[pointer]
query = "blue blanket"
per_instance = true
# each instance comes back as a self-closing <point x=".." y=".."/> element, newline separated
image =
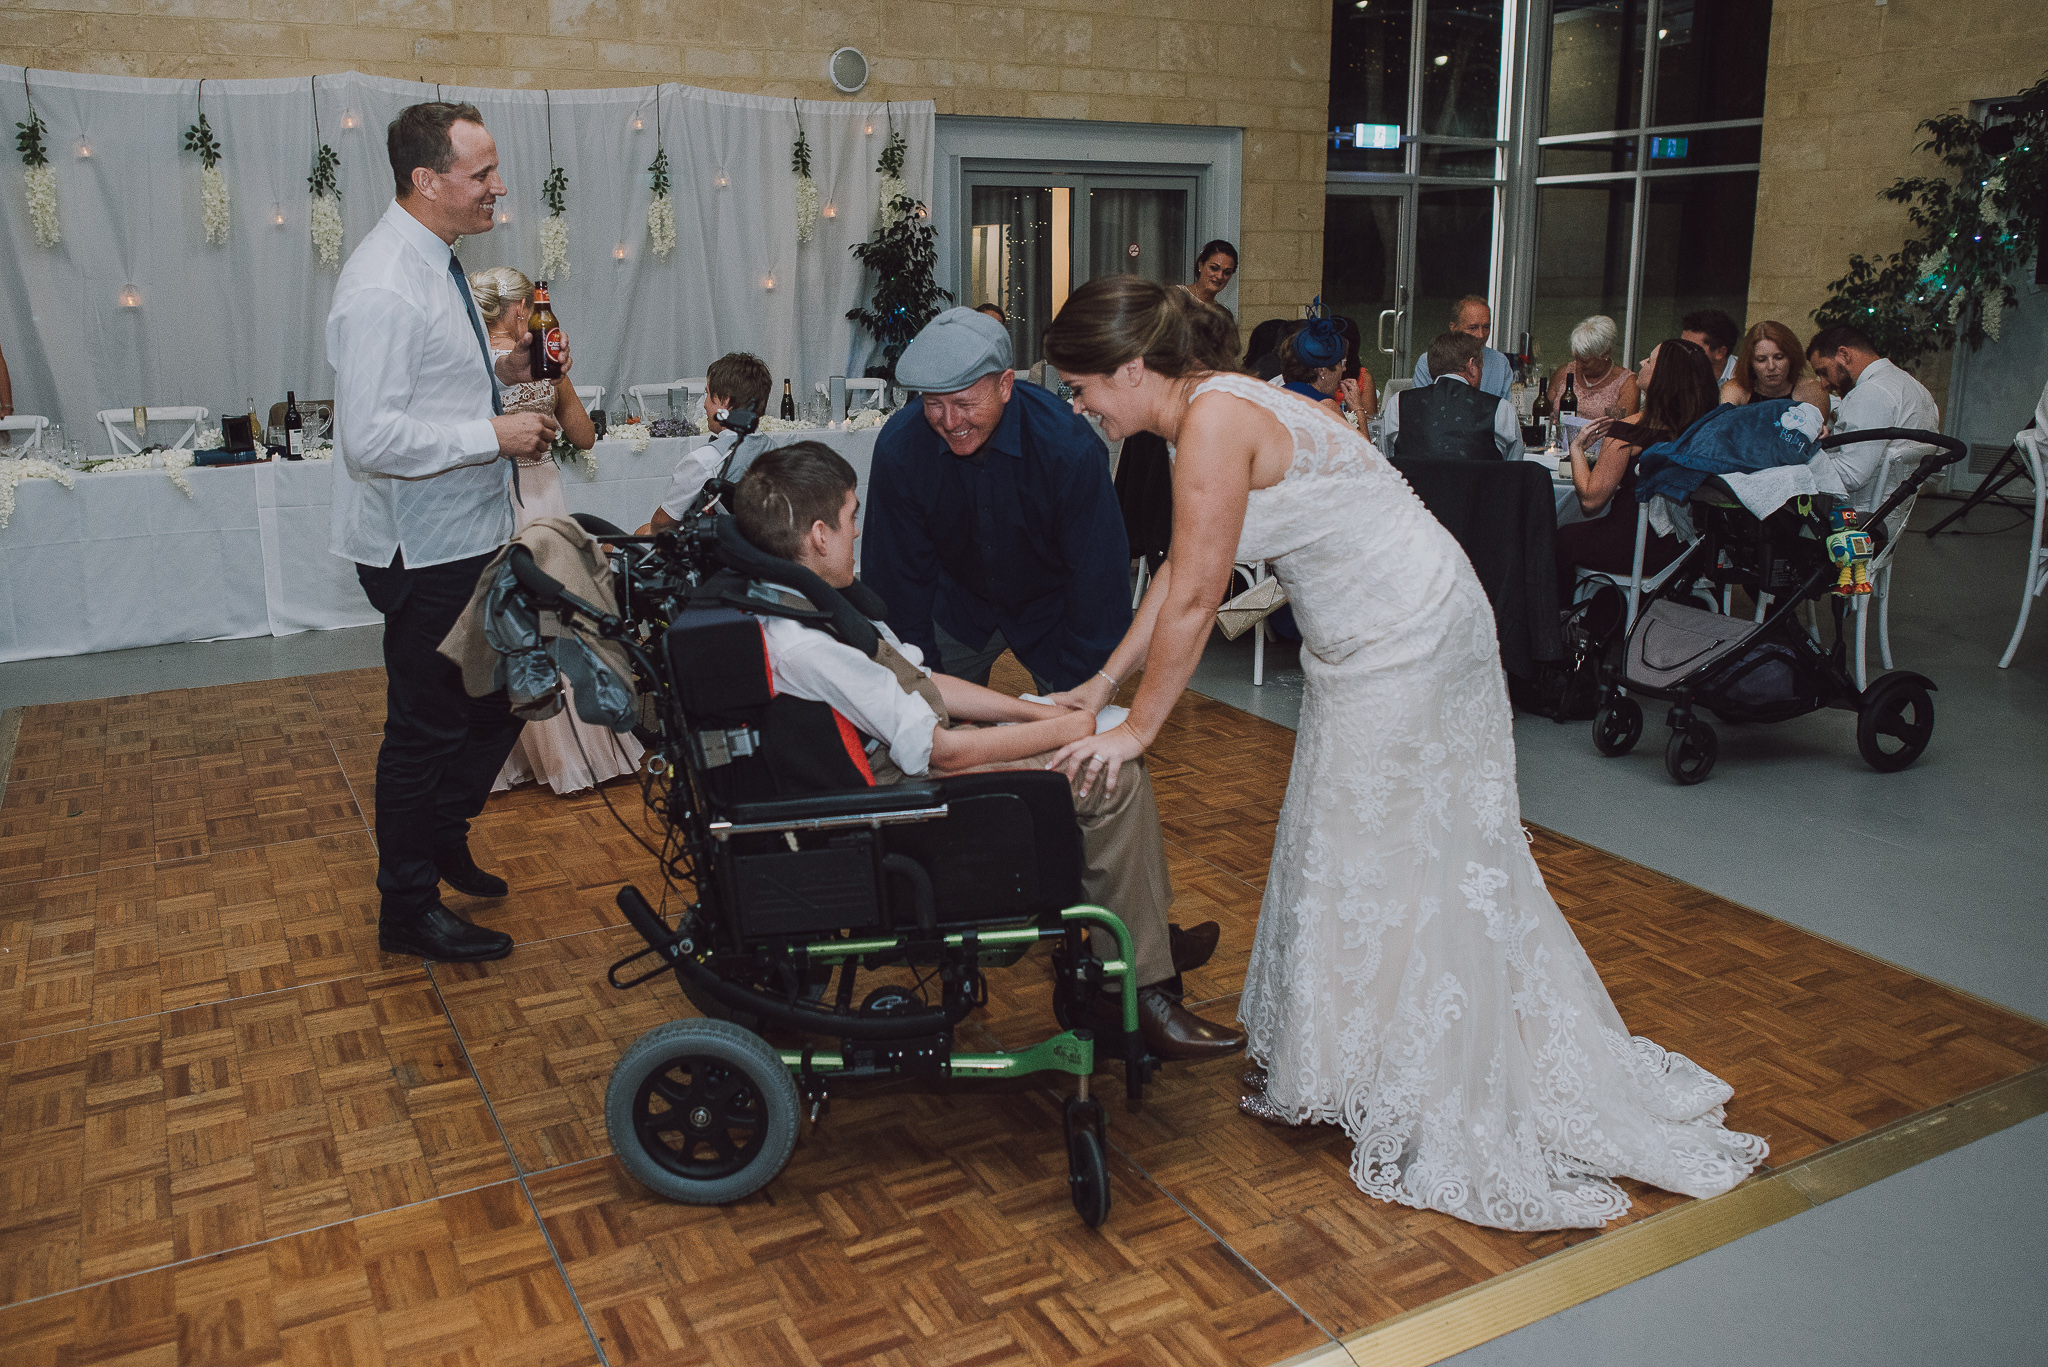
<point x="1730" y="440"/>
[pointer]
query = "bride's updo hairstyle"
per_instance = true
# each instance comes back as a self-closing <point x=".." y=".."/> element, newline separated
<point x="497" y="287"/>
<point x="1115" y="318"/>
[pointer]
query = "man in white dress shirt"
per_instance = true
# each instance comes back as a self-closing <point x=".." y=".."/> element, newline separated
<point x="1875" y="393"/>
<point x="422" y="500"/>
<point x="1473" y="316"/>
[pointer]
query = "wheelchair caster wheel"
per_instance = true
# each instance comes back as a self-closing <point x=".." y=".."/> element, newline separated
<point x="1618" y="726"/>
<point x="1087" y="1160"/>
<point x="1690" y="753"/>
<point x="702" y="1112"/>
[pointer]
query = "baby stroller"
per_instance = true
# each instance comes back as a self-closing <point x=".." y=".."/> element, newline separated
<point x="1770" y="669"/>
<point x="790" y="894"/>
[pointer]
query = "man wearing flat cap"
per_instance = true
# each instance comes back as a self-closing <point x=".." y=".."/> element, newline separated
<point x="991" y="521"/>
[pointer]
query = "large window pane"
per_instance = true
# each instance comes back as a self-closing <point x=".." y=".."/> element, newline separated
<point x="1596" y="65"/>
<point x="1011" y="259"/>
<point x="1369" y="77"/>
<point x="1582" y="247"/>
<point x="1589" y="158"/>
<point x="1461" y="68"/>
<point x="1714" y="147"/>
<point x="1453" y="256"/>
<point x="1361" y="267"/>
<point x="1710" y="60"/>
<point x="1139" y="232"/>
<point x="1695" y="251"/>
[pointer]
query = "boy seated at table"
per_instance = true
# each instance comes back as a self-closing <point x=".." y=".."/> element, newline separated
<point x="735" y="381"/>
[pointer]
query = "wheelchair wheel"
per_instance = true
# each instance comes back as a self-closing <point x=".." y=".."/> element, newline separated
<point x="1690" y="753"/>
<point x="1895" y="724"/>
<point x="1618" y="726"/>
<point x="701" y="1112"/>
<point x="1088" y="1177"/>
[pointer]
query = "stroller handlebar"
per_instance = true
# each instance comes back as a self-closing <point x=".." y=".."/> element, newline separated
<point x="1947" y="451"/>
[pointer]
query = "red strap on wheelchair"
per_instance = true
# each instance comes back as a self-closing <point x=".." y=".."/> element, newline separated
<point x="855" y="749"/>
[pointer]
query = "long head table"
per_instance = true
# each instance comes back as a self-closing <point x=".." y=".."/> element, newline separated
<point x="126" y="560"/>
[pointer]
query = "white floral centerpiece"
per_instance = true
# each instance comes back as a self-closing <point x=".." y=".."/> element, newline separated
<point x="213" y="186"/>
<point x="38" y="177"/>
<point x="173" y="463"/>
<point x="14" y="471"/>
<point x="632" y="431"/>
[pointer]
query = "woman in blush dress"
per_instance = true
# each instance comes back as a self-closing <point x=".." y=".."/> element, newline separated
<point x="1411" y="980"/>
<point x="563" y="752"/>
<point x="1602" y="388"/>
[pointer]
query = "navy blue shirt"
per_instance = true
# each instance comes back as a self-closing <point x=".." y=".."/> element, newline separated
<point x="1023" y="537"/>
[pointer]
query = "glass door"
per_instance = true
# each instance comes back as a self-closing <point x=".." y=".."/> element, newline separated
<point x="1366" y="273"/>
<point x="1033" y="237"/>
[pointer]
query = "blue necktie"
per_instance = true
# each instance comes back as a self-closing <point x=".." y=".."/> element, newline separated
<point x="483" y="343"/>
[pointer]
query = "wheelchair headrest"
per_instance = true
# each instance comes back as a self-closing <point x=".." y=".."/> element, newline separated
<point x="848" y="611"/>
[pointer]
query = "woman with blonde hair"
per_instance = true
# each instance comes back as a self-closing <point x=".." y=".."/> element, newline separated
<point x="566" y="754"/>
<point x="1772" y="365"/>
<point x="1412" y="980"/>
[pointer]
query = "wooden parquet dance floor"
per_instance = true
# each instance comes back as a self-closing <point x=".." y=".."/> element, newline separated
<point x="232" y="1131"/>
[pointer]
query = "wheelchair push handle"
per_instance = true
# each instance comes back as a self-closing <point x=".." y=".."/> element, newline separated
<point x="547" y="591"/>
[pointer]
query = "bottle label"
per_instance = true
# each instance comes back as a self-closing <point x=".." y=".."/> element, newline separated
<point x="552" y="340"/>
<point x="294" y="441"/>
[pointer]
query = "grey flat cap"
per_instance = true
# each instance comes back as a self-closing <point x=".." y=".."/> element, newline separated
<point x="953" y="351"/>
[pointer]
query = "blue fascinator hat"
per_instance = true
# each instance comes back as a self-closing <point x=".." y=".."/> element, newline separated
<point x="1320" y="342"/>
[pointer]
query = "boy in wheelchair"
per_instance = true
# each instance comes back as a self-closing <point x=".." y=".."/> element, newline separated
<point x="898" y="720"/>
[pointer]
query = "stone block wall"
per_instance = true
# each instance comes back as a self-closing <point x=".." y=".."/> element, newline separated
<point x="1185" y="61"/>
<point x="1849" y="82"/>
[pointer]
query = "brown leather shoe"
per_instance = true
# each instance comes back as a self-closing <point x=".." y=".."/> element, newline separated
<point x="1193" y="946"/>
<point x="1173" y="1032"/>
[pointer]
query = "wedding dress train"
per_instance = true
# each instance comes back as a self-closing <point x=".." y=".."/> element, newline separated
<point x="1411" y="979"/>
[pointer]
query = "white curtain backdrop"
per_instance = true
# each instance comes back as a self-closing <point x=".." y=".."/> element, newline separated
<point x="218" y="325"/>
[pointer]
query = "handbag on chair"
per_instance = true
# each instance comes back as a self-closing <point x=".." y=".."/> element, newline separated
<point x="1248" y="609"/>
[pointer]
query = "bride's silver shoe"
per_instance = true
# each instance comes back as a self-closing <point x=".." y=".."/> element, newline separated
<point x="1260" y="1107"/>
<point x="1254" y="1078"/>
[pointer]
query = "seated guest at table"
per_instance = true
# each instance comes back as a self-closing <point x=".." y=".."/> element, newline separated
<point x="1875" y="393"/>
<point x="1602" y="388"/>
<point x="1715" y="333"/>
<point x="994" y="311"/>
<point x="1772" y="365"/>
<point x="1474" y="317"/>
<point x="566" y="754"/>
<point x="1454" y="418"/>
<point x="798" y="503"/>
<point x="1312" y="363"/>
<point x="1677" y="384"/>
<point x="737" y="380"/>
<point x="991" y="522"/>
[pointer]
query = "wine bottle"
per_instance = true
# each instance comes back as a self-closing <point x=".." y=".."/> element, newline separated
<point x="546" y="336"/>
<point x="1568" y="403"/>
<point x="788" y="404"/>
<point x="294" y="428"/>
<point x="1540" y="411"/>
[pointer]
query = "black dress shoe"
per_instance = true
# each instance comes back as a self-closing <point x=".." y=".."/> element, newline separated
<point x="1193" y="946"/>
<point x="439" y="934"/>
<point x="1170" y="1030"/>
<point x="459" y="871"/>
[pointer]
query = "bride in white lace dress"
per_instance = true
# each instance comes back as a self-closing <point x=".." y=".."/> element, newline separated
<point x="1411" y="979"/>
<point x="564" y="752"/>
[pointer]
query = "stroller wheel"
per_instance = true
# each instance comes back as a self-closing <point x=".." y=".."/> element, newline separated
<point x="1690" y="753"/>
<point x="1088" y="1177"/>
<point x="701" y="1111"/>
<point x="1618" y="726"/>
<point x="1895" y="724"/>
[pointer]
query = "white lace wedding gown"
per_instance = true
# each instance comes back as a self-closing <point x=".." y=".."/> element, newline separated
<point x="1411" y="979"/>
<point x="564" y="752"/>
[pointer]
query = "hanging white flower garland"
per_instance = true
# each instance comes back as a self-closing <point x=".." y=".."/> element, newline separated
<point x="213" y="186"/>
<point x="806" y="188"/>
<point x="38" y="177"/>
<point x="661" y="211"/>
<point x="554" y="229"/>
<point x="326" y="187"/>
<point x="890" y="164"/>
<point x="172" y="463"/>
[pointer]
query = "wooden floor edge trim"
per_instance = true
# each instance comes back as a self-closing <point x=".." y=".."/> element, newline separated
<point x="1331" y="1354"/>
<point x="1468" y="1318"/>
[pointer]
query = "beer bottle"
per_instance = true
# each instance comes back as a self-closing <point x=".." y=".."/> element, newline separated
<point x="546" y="336"/>
<point x="294" y="428"/>
<point x="788" y="404"/>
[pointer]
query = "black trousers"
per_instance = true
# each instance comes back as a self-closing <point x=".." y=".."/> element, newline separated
<point x="442" y="748"/>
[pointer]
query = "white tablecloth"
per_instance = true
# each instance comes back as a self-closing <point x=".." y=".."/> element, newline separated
<point x="126" y="560"/>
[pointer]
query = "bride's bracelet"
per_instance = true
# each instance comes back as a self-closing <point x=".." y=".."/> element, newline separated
<point x="1114" y="682"/>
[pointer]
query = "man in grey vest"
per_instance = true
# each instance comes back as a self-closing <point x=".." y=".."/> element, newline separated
<point x="1453" y="419"/>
